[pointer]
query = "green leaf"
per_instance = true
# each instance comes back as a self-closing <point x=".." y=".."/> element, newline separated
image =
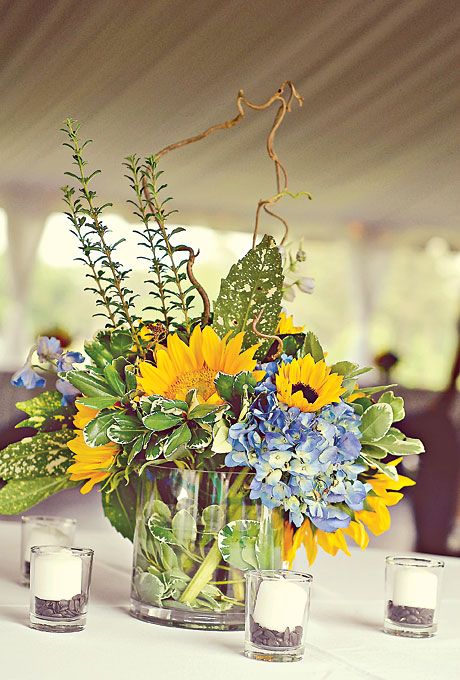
<point x="160" y="512"/>
<point x="253" y="283"/>
<point x="149" y="588"/>
<point x="205" y="413"/>
<point x="161" y="421"/>
<point x="213" y="518"/>
<point x="375" y="422"/>
<point x="200" y="439"/>
<point x="184" y="527"/>
<point x="19" y="495"/>
<point x="98" y="403"/>
<point x="387" y="470"/>
<point x="125" y="429"/>
<point x="45" y="454"/>
<point x="161" y="533"/>
<point x="374" y="451"/>
<point x="120" y="508"/>
<point x="396" y="403"/>
<point x="401" y="447"/>
<point x="345" y="368"/>
<point x="95" y="432"/>
<point x="236" y="541"/>
<point x="45" y="411"/>
<point x="220" y="443"/>
<point x="312" y="346"/>
<point x="168" y="557"/>
<point x="89" y="384"/>
<point x="374" y="390"/>
<point x="177" y="439"/>
<point x="114" y="380"/>
<point x="224" y="386"/>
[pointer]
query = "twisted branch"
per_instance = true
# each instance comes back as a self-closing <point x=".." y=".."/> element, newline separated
<point x="265" y="336"/>
<point x="196" y="284"/>
<point x="285" y="100"/>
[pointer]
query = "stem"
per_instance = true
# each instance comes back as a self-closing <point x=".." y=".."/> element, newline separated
<point x="213" y="558"/>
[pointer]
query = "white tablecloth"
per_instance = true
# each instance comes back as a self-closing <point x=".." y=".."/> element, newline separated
<point x="344" y="634"/>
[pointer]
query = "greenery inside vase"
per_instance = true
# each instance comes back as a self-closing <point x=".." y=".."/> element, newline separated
<point x="196" y="532"/>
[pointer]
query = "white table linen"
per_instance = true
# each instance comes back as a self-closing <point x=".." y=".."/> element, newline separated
<point x="345" y="640"/>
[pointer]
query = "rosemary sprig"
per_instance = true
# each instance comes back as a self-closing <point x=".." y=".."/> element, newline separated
<point x="149" y="238"/>
<point x="120" y="297"/>
<point x="180" y="295"/>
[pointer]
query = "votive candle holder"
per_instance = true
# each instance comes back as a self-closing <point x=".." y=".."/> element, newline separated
<point x="277" y="610"/>
<point x="39" y="530"/>
<point x="59" y="588"/>
<point x="412" y="596"/>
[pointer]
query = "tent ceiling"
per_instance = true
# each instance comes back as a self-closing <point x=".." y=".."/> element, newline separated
<point x="376" y="141"/>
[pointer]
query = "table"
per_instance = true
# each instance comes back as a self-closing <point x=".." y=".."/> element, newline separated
<point x="344" y="635"/>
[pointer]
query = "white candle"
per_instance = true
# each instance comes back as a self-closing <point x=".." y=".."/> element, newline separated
<point x="279" y="605"/>
<point x="57" y="576"/>
<point x="44" y="535"/>
<point x="415" y="587"/>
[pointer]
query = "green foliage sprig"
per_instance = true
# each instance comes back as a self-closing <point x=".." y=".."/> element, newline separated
<point x="109" y="276"/>
<point x="170" y="290"/>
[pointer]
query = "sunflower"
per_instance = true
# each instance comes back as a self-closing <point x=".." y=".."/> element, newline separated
<point x="90" y="462"/>
<point x="286" y="325"/>
<point x="375" y="518"/>
<point x="308" y="385"/>
<point x="181" y="367"/>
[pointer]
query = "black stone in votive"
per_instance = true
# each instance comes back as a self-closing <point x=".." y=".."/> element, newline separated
<point x="264" y="637"/>
<point x="61" y="609"/>
<point x="415" y="616"/>
<point x="27" y="568"/>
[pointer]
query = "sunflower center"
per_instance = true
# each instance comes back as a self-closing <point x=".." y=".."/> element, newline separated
<point x="308" y="392"/>
<point x="201" y="380"/>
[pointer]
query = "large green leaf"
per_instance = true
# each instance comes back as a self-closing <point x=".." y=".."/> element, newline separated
<point x="312" y="346"/>
<point x="45" y="412"/>
<point x="149" y="588"/>
<point x="161" y="421"/>
<point x="401" y="447"/>
<point x="120" y="508"/>
<point x="19" y="495"/>
<point x="125" y="429"/>
<point x="237" y="541"/>
<point x="89" y="384"/>
<point x="375" y="422"/>
<point x="396" y="403"/>
<point x="178" y="439"/>
<point x="184" y="527"/>
<point x="45" y="454"/>
<point x="95" y="432"/>
<point x="253" y="283"/>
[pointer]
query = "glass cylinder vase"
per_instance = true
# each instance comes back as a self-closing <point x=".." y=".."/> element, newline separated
<point x="196" y="534"/>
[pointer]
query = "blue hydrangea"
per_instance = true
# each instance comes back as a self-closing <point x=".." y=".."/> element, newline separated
<point x="304" y="462"/>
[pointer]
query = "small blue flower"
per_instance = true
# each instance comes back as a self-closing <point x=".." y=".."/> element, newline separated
<point x="28" y="378"/>
<point x="68" y="391"/>
<point x="68" y="359"/>
<point x="48" y="349"/>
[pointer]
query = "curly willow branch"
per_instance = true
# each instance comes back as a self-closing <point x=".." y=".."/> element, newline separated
<point x="265" y="336"/>
<point x="285" y="99"/>
<point x="196" y="284"/>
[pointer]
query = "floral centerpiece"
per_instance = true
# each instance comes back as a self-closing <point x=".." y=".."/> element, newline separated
<point x="237" y="437"/>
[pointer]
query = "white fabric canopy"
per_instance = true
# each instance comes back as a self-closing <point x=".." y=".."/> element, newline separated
<point x="377" y="138"/>
<point x="345" y="641"/>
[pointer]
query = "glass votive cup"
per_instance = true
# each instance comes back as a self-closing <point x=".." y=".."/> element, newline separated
<point x="412" y="596"/>
<point x="59" y="588"/>
<point x="40" y="530"/>
<point x="277" y="608"/>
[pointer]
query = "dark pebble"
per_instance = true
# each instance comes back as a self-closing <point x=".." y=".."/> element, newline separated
<point x="414" y="616"/>
<point x="265" y="637"/>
